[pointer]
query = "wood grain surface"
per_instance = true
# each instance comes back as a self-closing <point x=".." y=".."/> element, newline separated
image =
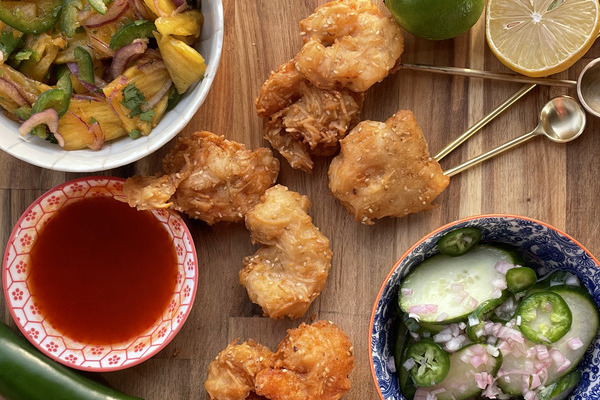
<point x="551" y="182"/>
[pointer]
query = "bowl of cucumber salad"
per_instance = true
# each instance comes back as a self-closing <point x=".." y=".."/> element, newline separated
<point x="489" y="307"/>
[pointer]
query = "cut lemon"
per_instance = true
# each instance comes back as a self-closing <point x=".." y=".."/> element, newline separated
<point x="541" y="37"/>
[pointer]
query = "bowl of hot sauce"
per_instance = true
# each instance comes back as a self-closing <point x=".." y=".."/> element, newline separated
<point x="95" y="284"/>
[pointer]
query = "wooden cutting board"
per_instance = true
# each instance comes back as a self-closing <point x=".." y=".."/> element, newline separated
<point x="551" y="182"/>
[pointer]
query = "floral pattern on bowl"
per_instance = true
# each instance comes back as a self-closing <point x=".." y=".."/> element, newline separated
<point x="26" y="311"/>
<point x="543" y="247"/>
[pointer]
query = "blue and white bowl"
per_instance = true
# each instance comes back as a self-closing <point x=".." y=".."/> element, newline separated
<point x="542" y="246"/>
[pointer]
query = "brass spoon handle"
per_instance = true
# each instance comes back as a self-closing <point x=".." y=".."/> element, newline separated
<point x="491" y="153"/>
<point x="489" y="75"/>
<point x="482" y="122"/>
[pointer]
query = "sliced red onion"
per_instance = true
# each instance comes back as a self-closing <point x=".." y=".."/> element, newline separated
<point x="179" y="3"/>
<point x="141" y="12"/>
<point x="11" y="91"/>
<point x="125" y="55"/>
<point x="86" y="97"/>
<point x="49" y="117"/>
<point x="96" y="131"/>
<point x="181" y="8"/>
<point x="114" y="11"/>
<point x="94" y="90"/>
<point x="151" y="66"/>
<point x="106" y="50"/>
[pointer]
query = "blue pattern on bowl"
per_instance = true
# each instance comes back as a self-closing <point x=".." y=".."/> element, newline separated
<point x="542" y="247"/>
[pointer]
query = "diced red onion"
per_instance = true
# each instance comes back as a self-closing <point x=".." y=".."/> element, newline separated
<point x="518" y="320"/>
<point x="408" y="364"/>
<point x="454" y="344"/>
<point x="462" y="326"/>
<point x="11" y="91"/>
<point x="442" y="337"/>
<point x="503" y="267"/>
<point x="542" y="352"/>
<point x="473" y="303"/>
<point x="159" y="95"/>
<point x="125" y="55"/>
<point x="483" y="379"/>
<point x="48" y="117"/>
<point x="530" y="395"/>
<point x="457" y="287"/>
<point x="574" y="343"/>
<point x="476" y="361"/>
<point x="423" y="309"/>
<point x="115" y="10"/>
<point x="572" y="280"/>
<point x="535" y="381"/>
<point x="492" y="350"/>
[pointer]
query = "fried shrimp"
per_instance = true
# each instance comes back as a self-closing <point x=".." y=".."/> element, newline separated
<point x="290" y="269"/>
<point x="231" y="375"/>
<point x="384" y="170"/>
<point x="312" y="362"/>
<point x="348" y="44"/>
<point x="207" y="177"/>
<point x="302" y="120"/>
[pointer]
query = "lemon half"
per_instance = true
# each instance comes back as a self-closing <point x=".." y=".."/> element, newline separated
<point x="541" y="37"/>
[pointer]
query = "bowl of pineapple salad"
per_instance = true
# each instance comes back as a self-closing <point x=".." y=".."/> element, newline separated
<point x="489" y="307"/>
<point x="90" y="85"/>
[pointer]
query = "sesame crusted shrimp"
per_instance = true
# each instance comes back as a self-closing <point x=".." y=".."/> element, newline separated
<point x="348" y="44"/>
<point x="384" y="170"/>
<point x="312" y="362"/>
<point x="231" y="374"/>
<point x="207" y="177"/>
<point x="290" y="269"/>
<point x="303" y="120"/>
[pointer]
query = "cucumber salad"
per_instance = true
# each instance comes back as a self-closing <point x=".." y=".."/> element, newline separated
<point x="478" y="323"/>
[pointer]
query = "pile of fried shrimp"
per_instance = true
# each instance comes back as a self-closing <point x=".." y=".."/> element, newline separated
<point x="311" y="106"/>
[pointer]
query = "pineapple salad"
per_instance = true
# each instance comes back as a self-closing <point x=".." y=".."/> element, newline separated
<point x="81" y="72"/>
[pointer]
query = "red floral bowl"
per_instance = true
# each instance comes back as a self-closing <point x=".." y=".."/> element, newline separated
<point x="29" y="316"/>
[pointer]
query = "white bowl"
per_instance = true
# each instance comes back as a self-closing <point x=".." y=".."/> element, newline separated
<point x="123" y="151"/>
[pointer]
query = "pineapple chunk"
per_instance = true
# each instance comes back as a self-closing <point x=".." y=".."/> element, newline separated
<point x="184" y="63"/>
<point x="148" y="81"/>
<point x="73" y="126"/>
<point x="29" y="88"/>
<point x="46" y="48"/>
<point x="160" y="8"/>
<point x="188" y="23"/>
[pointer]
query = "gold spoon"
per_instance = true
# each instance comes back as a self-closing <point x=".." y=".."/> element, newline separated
<point x="561" y="120"/>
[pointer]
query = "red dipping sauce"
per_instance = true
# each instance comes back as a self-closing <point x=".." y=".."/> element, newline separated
<point x="101" y="271"/>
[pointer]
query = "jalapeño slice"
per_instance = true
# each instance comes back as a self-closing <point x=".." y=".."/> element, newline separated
<point x="544" y="317"/>
<point x="431" y="363"/>
<point x="459" y="241"/>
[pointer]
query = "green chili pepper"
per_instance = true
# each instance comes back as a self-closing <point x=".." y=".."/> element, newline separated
<point x="25" y="373"/>
<point x="98" y="5"/>
<point x="47" y="16"/>
<point x="431" y="363"/>
<point x="544" y="317"/>
<point x="68" y="21"/>
<point x="459" y="241"/>
<point x="85" y="64"/>
<point x="173" y="98"/>
<point x="131" y="31"/>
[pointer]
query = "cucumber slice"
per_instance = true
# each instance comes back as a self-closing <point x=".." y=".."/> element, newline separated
<point x="444" y="289"/>
<point x="585" y="322"/>
<point x="460" y="382"/>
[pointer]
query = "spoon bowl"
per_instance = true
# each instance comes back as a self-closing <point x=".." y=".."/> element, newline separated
<point x="562" y="119"/>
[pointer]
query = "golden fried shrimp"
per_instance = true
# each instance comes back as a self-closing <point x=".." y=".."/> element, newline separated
<point x="231" y="375"/>
<point x="312" y="362"/>
<point x="302" y="120"/>
<point x="348" y="44"/>
<point x="207" y="177"/>
<point x="290" y="269"/>
<point x="384" y="170"/>
<point x="151" y="192"/>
